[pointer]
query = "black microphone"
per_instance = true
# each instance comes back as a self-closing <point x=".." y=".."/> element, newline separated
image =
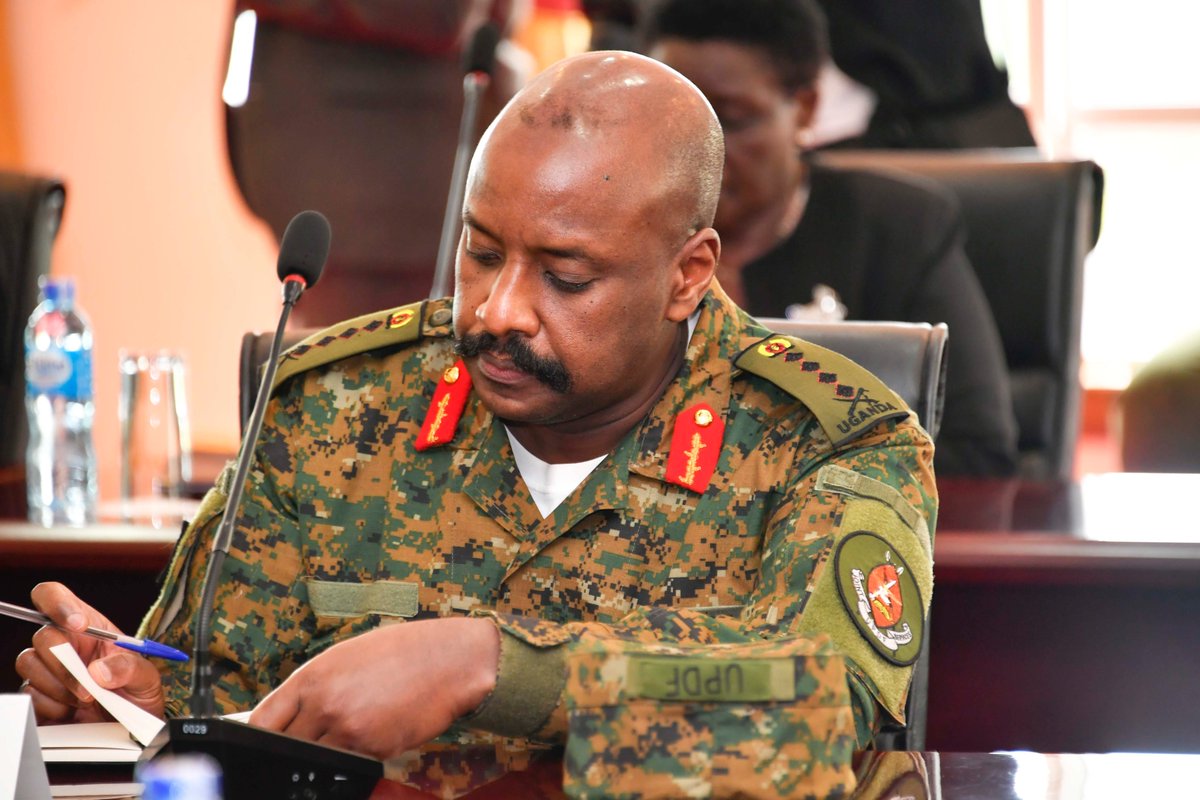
<point x="263" y="763"/>
<point x="478" y="61"/>
<point x="304" y="249"/>
<point x="480" y="55"/>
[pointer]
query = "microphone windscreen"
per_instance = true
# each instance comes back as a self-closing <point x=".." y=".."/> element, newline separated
<point x="480" y="55"/>
<point x="305" y="247"/>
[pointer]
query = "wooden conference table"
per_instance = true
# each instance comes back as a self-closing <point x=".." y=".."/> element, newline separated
<point x="1066" y="617"/>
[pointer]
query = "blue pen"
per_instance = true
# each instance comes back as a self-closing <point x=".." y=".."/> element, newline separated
<point x="143" y="646"/>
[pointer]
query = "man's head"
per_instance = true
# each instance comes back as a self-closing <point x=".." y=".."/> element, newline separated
<point x="757" y="62"/>
<point x="586" y="240"/>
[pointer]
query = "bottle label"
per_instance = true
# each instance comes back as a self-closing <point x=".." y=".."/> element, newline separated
<point x="60" y="373"/>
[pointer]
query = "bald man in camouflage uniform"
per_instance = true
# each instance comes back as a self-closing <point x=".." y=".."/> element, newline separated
<point x="726" y="597"/>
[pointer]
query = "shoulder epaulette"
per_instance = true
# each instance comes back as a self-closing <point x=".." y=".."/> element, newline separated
<point x="368" y="332"/>
<point x="846" y="399"/>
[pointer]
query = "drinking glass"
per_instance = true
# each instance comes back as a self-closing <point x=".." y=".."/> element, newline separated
<point x="155" y="438"/>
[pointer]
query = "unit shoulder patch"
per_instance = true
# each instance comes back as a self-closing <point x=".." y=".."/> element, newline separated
<point x="846" y="399"/>
<point x="881" y="595"/>
<point x="368" y="332"/>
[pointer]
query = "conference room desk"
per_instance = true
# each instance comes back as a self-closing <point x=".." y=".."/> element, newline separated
<point x="1066" y="617"/>
<point x="937" y="776"/>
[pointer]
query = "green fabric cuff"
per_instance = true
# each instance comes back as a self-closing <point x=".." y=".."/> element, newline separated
<point x="529" y="685"/>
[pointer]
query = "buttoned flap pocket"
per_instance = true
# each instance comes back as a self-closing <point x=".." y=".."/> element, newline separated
<point x="757" y="719"/>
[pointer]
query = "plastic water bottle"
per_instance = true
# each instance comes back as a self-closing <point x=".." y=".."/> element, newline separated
<point x="61" y="462"/>
<point x="192" y="776"/>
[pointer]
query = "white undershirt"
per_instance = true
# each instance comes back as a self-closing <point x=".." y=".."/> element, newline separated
<point x="550" y="484"/>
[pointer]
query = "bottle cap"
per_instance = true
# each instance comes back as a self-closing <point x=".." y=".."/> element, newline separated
<point x="58" y="290"/>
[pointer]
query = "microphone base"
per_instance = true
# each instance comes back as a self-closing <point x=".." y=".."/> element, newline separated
<point x="257" y="763"/>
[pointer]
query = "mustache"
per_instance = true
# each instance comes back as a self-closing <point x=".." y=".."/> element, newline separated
<point x="549" y="371"/>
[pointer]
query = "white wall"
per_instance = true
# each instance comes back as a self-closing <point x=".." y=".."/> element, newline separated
<point x="121" y="99"/>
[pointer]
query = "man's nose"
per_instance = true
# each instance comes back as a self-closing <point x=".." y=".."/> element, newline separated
<point x="510" y="306"/>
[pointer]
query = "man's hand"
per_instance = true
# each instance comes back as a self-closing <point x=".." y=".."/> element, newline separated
<point x="57" y="696"/>
<point x="389" y="690"/>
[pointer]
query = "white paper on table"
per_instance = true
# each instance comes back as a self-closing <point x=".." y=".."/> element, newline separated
<point x="142" y="724"/>
<point x="97" y="791"/>
<point x="87" y="742"/>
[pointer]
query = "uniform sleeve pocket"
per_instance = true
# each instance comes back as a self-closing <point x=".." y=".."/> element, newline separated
<point x="759" y="719"/>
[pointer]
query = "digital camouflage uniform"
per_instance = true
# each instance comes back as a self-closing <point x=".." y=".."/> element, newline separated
<point x="707" y="612"/>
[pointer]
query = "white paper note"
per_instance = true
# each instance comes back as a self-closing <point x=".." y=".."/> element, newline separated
<point x="143" y="725"/>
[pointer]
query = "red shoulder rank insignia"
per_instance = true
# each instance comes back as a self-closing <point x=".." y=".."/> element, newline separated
<point x="695" y="447"/>
<point x="881" y="595"/>
<point x="446" y="407"/>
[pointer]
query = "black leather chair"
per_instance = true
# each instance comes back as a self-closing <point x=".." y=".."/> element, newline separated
<point x="1030" y="223"/>
<point x="909" y="357"/>
<point x="30" y="212"/>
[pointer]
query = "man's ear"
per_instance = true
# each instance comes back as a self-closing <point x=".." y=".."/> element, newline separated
<point x="806" y="111"/>
<point x="694" y="268"/>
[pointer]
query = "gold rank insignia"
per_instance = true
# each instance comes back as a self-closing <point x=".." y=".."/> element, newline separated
<point x="400" y="318"/>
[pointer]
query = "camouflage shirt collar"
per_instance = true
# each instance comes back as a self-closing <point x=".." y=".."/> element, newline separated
<point x="706" y="376"/>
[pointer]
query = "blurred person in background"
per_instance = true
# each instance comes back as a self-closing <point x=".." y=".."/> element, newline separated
<point x="353" y="109"/>
<point x="889" y="249"/>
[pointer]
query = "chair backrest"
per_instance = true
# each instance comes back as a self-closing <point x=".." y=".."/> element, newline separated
<point x="30" y="211"/>
<point x="256" y="347"/>
<point x="909" y="357"/>
<point x="1030" y="223"/>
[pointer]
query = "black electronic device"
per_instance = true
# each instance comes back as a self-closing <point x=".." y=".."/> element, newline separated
<point x="257" y="763"/>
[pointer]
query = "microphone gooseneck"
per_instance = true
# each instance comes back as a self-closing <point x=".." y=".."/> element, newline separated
<point x="257" y="762"/>
<point x="302" y="255"/>
<point x="478" y="62"/>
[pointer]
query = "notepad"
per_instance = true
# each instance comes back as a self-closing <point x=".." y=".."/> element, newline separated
<point x="88" y="743"/>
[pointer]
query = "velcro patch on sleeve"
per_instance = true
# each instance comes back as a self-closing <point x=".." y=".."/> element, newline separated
<point x="878" y="529"/>
<point x="846" y="399"/>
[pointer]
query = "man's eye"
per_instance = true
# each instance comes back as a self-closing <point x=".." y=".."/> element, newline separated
<point x="565" y="285"/>
<point x="484" y="257"/>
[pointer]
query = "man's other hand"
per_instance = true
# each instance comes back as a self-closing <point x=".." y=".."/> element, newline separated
<point x="389" y="690"/>
<point x="57" y="696"/>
